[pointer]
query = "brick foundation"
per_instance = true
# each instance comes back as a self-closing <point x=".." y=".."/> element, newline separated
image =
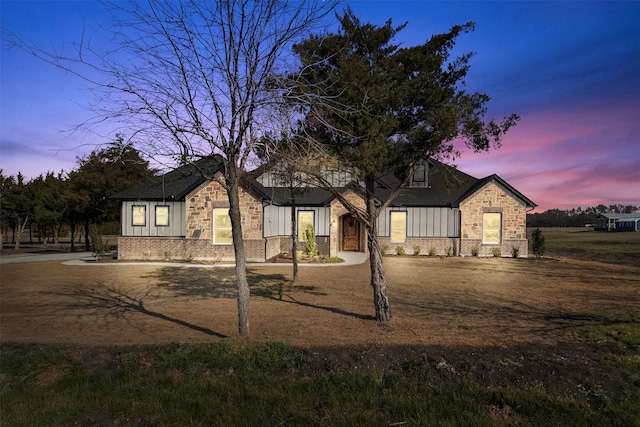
<point x="441" y="245"/>
<point x="180" y="249"/>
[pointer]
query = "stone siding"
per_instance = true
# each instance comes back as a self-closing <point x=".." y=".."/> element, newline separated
<point x="337" y="211"/>
<point x="201" y="202"/>
<point x="494" y="198"/>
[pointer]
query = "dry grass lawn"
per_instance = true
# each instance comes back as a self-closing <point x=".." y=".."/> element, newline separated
<point x="435" y="301"/>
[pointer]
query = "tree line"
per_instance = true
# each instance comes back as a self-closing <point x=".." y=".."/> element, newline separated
<point x="575" y="217"/>
<point x="70" y="202"/>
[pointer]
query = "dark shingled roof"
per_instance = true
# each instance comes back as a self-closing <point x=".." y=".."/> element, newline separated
<point x="174" y="185"/>
<point x="447" y="187"/>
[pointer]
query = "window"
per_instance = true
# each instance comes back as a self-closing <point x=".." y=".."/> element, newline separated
<point x="491" y="228"/>
<point x="162" y="216"/>
<point x="305" y="218"/>
<point x="398" y="227"/>
<point x="222" y="226"/>
<point x="139" y="215"/>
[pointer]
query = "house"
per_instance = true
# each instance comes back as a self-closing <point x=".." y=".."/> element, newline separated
<point x="182" y="216"/>
<point x="617" y="222"/>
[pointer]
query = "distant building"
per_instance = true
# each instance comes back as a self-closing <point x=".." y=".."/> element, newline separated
<point x="617" y="222"/>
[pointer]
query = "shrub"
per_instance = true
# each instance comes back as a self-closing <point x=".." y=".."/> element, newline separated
<point x="98" y="246"/>
<point x="309" y="237"/>
<point x="432" y="251"/>
<point x="515" y="251"/>
<point x="497" y="253"/>
<point x="332" y="259"/>
<point x="399" y="250"/>
<point x="416" y="250"/>
<point x="475" y="251"/>
<point x="537" y="243"/>
<point x="384" y="249"/>
<point x="450" y="250"/>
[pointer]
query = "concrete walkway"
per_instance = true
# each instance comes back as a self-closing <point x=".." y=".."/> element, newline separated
<point x="45" y="257"/>
<point x="350" y="258"/>
<point x="83" y="258"/>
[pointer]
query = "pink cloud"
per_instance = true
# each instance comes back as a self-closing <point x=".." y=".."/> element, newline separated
<point x="567" y="158"/>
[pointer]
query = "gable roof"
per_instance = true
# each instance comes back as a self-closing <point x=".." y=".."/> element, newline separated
<point x="484" y="181"/>
<point x="174" y="185"/>
<point x="620" y="216"/>
<point x="447" y="187"/>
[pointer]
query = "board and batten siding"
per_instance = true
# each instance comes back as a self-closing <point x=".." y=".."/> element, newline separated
<point x="277" y="220"/>
<point x="423" y="222"/>
<point x="176" y="227"/>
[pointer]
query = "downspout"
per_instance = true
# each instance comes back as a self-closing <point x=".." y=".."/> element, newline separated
<point x="459" y="232"/>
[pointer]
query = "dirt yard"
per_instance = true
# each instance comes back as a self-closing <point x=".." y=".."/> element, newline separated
<point x="496" y="320"/>
<point x="450" y="301"/>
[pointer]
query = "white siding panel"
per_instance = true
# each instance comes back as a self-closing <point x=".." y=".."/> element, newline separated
<point x="423" y="222"/>
<point x="383" y="222"/>
<point x="270" y="221"/>
<point x="176" y="227"/>
<point x="452" y="223"/>
<point x="277" y="220"/>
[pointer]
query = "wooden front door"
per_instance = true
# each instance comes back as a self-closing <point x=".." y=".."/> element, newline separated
<point x="350" y="234"/>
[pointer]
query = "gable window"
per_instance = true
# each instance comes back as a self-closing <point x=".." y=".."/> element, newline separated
<point x="491" y="228"/>
<point x="305" y="218"/>
<point x="139" y="215"/>
<point x="420" y="176"/>
<point x="162" y="216"/>
<point x="398" y="227"/>
<point x="222" y="226"/>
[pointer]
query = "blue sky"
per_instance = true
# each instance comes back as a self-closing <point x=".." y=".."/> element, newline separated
<point x="571" y="70"/>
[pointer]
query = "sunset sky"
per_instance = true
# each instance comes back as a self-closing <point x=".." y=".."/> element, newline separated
<point x="571" y="70"/>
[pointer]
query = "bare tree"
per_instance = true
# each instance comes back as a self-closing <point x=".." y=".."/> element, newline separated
<point x="191" y="79"/>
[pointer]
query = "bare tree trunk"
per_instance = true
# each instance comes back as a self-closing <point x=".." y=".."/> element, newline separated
<point x="378" y="281"/>
<point x="87" y="243"/>
<point x="20" y="231"/>
<point x="294" y="237"/>
<point x="72" y="231"/>
<point x="240" y="256"/>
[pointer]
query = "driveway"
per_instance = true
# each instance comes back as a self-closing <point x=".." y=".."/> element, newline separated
<point x="76" y="258"/>
<point x="45" y="257"/>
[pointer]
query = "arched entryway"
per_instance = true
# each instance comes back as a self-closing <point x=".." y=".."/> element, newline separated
<point x="351" y="236"/>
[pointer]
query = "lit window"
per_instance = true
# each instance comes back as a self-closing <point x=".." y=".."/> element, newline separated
<point x="162" y="216"/>
<point x="139" y="215"/>
<point x="398" y="227"/>
<point x="491" y="228"/>
<point x="222" y="226"/>
<point x="305" y="218"/>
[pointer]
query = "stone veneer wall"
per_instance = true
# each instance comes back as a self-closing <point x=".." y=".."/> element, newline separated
<point x="201" y="202"/>
<point x="199" y="206"/>
<point x="494" y="198"/>
<point x="337" y="211"/>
